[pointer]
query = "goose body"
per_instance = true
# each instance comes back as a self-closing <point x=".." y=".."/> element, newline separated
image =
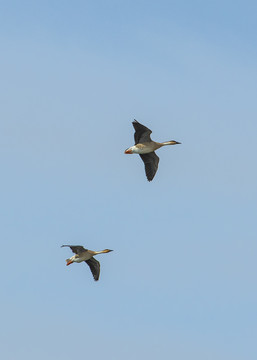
<point x="145" y="147"/>
<point x="82" y="254"/>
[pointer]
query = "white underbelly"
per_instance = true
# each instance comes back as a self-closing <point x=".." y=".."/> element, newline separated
<point x="83" y="257"/>
<point x="141" y="150"/>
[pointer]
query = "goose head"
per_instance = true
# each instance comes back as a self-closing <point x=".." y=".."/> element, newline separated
<point x="70" y="260"/>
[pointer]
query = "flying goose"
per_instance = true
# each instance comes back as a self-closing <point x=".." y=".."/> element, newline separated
<point x="145" y="147"/>
<point x="82" y="254"/>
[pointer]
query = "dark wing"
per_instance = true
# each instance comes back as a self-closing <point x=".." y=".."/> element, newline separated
<point x="151" y="161"/>
<point x="142" y="133"/>
<point x="94" y="267"/>
<point x="76" y="249"/>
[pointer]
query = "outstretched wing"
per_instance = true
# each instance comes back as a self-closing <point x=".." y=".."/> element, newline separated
<point x="94" y="267"/>
<point x="76" y="249"/>
<point x="151" y="161"/>
<point x="142" y="133"/>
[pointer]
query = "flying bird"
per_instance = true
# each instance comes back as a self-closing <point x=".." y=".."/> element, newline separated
<point x="145" y="147"/>
<point x="82" y="254"/>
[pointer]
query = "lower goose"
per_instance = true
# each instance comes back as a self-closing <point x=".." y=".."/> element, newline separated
<point x="82" y="254"/>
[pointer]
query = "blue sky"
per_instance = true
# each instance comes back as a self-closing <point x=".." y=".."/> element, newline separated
<point x="181" y="282"/>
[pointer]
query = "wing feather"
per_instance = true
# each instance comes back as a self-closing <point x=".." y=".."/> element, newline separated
<point x="94" y="267"/>
<point x="76" y="249"/>
<point x="151" y="161"/>
<point x="142" y="133"/>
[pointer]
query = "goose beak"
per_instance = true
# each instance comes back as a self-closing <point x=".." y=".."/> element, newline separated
<point x="69" y="262"/>
<point x="128" y="151"/>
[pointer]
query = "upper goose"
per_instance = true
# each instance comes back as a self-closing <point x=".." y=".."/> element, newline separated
<point x="82" y="254"/>
<point x="145" y="147"/>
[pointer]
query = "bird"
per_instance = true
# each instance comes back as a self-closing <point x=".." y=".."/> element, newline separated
<point x="82" y="254"/>
<point x="145" y="147"/>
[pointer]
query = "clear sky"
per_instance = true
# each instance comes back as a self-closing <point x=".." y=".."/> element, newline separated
<point x="181" y="282"/>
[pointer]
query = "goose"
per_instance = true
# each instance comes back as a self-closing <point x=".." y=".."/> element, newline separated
<point x="82" y="254"/>
<point x="145" y="147"/>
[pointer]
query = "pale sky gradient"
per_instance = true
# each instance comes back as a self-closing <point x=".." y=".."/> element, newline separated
<point x="181" y="282"/>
